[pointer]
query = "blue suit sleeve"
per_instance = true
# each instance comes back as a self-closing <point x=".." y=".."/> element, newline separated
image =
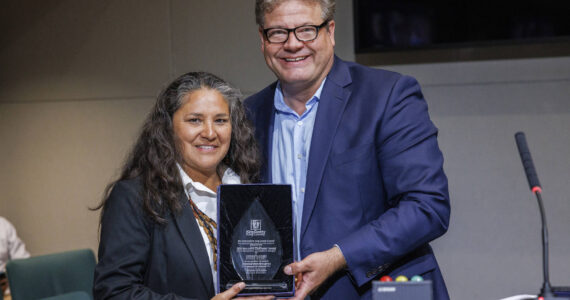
<point x="415" y="186"/>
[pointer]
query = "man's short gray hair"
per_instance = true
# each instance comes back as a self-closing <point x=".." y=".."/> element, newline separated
<point x="263" y="7"/>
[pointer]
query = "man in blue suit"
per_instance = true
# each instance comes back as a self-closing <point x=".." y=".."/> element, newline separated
<point x="360" y="152"/>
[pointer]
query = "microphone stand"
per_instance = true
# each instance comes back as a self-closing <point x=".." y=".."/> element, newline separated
<point x="546" y="291"/>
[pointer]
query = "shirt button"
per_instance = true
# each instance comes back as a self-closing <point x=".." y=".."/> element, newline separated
<point x="300" y="123"/>
<point x="302" y="190"/>
<point x="299" y="156"/>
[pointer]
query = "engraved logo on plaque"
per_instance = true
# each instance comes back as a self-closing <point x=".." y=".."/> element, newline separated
<point x="255" y="229"/>
<point x="256" y="225"/>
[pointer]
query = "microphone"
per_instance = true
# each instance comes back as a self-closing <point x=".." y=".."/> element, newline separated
<point x="528" y="165"/>
<point x="546" y="291"/>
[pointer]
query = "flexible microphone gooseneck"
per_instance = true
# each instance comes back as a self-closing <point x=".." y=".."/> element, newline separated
<point x="546" y="291"/>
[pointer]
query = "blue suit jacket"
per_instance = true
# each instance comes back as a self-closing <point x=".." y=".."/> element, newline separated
<point x="375" y="181"/>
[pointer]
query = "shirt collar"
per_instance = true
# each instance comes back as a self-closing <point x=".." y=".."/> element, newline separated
<point x="228" y="177"/>
<point x="279" y="101"/>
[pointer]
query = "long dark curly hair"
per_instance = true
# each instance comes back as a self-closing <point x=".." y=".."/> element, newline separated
<point x="154" y="156"/>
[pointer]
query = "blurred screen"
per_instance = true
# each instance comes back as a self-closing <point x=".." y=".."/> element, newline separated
<point x="387" y="25"/>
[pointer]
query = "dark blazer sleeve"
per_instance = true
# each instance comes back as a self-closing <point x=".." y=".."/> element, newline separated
<point x="415" y="192"/>
<point x="124" y="249"/>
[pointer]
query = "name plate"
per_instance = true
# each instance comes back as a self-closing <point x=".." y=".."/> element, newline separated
<point x="255" y="238"/>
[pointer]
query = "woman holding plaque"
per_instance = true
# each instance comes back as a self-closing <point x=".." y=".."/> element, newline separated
<point x="158" y="219"/>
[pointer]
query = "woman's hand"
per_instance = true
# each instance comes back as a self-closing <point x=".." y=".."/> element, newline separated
<point x="234" y="290"/>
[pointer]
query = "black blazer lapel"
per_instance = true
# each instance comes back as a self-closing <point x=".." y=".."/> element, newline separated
<point x="190" y="232"/>
<point x="334" y="98"/>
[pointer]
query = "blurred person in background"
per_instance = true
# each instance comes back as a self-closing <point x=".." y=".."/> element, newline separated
<point x="11" y="247"/>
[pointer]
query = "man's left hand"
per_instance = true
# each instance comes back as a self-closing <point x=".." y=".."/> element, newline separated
<point x="312" y="271"/>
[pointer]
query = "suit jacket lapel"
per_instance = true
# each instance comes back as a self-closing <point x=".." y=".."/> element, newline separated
<point x="190" y="232"/>
<point x="333" y="101"/>
<point x="264" y="130"/>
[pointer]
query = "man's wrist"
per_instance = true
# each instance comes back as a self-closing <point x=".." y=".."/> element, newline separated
<point x="338" y="258"/>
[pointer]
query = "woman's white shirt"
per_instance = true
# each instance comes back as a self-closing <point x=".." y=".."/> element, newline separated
<point x="206" y="200"/>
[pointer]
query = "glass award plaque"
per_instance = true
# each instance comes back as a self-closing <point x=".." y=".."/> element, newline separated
<point x="255" y="238"/>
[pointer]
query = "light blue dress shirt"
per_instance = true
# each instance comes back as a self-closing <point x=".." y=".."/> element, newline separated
<point x="290" y="150"/>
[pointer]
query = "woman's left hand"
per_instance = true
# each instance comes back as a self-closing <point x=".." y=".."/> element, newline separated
<point x="234" y="290"/>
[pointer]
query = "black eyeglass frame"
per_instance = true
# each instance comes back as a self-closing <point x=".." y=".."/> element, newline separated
<point x="294" y="30"/>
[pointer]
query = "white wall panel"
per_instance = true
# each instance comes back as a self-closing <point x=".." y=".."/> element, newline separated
<point x="493" y="247"/>
<point x="56" y="160"/>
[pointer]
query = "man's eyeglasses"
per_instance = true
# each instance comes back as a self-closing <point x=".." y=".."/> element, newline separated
<point x="305" y="33"/>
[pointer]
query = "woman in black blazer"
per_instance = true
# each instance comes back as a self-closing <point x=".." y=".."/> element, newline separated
<point x="158" y="218"/>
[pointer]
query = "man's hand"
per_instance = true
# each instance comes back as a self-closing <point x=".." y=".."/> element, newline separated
<point x="234" y="290"/>
<point x="312" y="271"/>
